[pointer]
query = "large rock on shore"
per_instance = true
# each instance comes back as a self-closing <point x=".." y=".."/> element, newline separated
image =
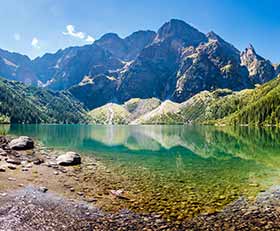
<point x="21" y="143"/>
<point x="70" y="158"/>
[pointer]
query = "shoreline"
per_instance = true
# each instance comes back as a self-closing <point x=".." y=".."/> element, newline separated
<point x="37" y="181"/>
<point x="88" y="192"/>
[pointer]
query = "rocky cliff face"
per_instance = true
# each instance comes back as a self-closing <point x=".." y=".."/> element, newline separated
<point x="277" y="69"/>
<point x="260" y="69"/>
<point x="157" y="64"/>
<point x="211" y="65"/>
<point x="76" y="63"/>
<point x="97" y="91"/>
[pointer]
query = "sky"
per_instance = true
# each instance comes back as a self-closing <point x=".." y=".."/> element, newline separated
<point x="34" y="27"/>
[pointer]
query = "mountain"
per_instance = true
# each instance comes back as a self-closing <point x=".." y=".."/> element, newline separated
<point x="212" y="65"/>
<point x="259" y="106"/>
<point x="25" y="104"/>
<point x="260" y="69"/>
<point x="72" y="65"/>
<point x="97" y="91"/>
<point x="175" y="63"/>
<point x="153" y="73"/>
<point x="128" y="48"/>
<point x="15" y="66"/>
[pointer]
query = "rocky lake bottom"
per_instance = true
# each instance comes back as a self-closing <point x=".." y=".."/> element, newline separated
<point x="113" y="192"/>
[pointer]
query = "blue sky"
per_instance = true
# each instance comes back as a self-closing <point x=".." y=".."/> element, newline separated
<point x="34" y="27"/>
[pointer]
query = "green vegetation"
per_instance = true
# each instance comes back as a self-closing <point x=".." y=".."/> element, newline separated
<point x="4" y="119"/>
<point x="262" y="109"/>
<point x="110" y="114"/>
<point x="138" y="107"/>
<point x="23" y="104"/>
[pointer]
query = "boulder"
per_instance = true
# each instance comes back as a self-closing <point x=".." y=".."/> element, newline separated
<point x="22" y="143"/>
<point x="69" y="158"/>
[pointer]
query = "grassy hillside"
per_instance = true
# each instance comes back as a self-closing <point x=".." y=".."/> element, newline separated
<point x="23" y="104"/>
<point x="110" y="114"/>
<point x="205" y="106"/>
<point x="138" y="107"/>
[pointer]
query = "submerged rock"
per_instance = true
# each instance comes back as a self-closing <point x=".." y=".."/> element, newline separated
<point x="70" y="158"/>
<point x="2" y="152"/>
<point x="13" y="161"/>
<point x="43" y="189"/>
<point x="22" y="143"/>
<point x="12" y="166"/>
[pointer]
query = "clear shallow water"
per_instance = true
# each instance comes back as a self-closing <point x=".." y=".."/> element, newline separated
<point x="176" y="171"/>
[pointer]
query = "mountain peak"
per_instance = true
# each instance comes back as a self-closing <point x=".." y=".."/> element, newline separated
<point x="110" y="36"/>
<point x="250" y="54"/>
<point x="251" y="49"/>
<point x="178" y="29"/>
<point x="260" y="69"/>
<point x="213" y="35"/>
<point x="141" y="33"/>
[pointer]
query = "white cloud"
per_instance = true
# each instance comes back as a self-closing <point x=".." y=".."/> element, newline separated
<point x="90" y="39"/>
<point x="70" y="31"/>
<point x="17" y="36"/>
<point x="35" y="43"/>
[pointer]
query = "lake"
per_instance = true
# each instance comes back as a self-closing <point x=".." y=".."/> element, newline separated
<point x="175" y="171"/>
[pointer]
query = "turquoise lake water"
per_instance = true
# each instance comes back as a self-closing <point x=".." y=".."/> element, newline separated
<point x="178" y="171"/>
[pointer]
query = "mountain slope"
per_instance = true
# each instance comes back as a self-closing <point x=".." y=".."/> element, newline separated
<point x="18" y="67"/>
<point x="160" y="115"/>
<point x="23" y="104"/>
<point x="128" y="48"/>
<point x="260" y="106"/>
<point x="153" y="73"/>
<point x="262" y="109"/>
<point x="212" y="65"/>
<point x="76" y="63"/>
<point x="138" y="107"/>
<point x="110" y="114"/>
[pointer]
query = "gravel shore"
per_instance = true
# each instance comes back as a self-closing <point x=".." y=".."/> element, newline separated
<point x="31" y="209"/>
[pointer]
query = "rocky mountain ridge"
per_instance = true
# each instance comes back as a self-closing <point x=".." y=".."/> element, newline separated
<point x="175" y="63"/>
